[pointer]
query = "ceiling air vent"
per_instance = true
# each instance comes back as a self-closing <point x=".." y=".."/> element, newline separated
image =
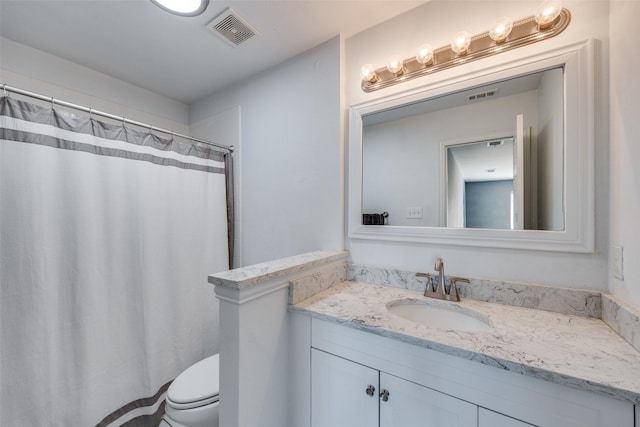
<point x="483" y="95"/>
<point x="497" y="143"/>
<point x="232" y="27"/>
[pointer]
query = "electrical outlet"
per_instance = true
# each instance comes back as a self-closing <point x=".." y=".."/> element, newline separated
<point x="617" y="262"/>
<point x="414" y="212"/>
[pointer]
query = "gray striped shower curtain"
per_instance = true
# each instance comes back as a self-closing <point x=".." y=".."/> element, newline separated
<point x="107" y="236"/>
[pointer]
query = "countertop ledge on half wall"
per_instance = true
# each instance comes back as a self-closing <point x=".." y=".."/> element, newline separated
<point x="244" y="277"/>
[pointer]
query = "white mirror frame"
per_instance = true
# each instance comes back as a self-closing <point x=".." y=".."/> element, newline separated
<point x="579" y="189"/>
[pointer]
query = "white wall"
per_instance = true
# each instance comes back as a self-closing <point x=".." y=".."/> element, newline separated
<point x="436" y="22"/>
<point x="291" y="171"/>
<point x="26" y="68"/>
<point x="625" y="146"/>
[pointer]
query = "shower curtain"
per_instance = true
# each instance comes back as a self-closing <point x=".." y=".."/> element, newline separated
<point x="107" y="236"/>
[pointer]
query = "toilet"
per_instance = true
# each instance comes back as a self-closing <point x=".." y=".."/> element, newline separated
<point x="193" y="397"/>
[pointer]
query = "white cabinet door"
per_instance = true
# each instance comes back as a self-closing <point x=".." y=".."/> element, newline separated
<point x="339" y="396"/>
<point x="487" y="418"/>
<point x="412" y="405"/>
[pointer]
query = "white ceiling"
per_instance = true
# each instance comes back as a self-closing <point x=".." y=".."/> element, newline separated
<point x="137" y="42"/>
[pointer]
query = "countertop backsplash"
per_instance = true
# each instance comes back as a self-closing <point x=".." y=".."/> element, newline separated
<point x="622" y="318"/>
<point x="576" y="302"/>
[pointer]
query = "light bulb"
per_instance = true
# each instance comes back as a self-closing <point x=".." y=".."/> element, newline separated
<point x="461" y="42"/>
<point x="501" y="29"/>
<point x="368" y="73"/>
<point x="395" y="64"/>
<point x="425" y="54"/>
<point x="547" y="12"/>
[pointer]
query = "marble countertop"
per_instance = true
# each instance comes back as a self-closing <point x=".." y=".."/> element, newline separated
<point x="575" y="351"/>
<point x="256" y="274"/>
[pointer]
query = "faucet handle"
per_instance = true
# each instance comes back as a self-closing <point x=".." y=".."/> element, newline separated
<point x="453" y="291"/>
<point x="455" y="280"/>
<point x="429" y="281"/>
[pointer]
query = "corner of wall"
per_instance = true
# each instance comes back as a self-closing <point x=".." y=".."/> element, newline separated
<point x="624" y="152"/>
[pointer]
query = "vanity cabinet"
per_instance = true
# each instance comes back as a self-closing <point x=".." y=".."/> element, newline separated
<point x="345" y="393"/>
<point x="348" y="369"/>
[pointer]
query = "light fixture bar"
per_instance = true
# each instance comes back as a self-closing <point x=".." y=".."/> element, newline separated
<point x="524" y="32"/>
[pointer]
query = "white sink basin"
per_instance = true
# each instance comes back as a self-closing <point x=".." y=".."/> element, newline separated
<point x="449" y="317"/>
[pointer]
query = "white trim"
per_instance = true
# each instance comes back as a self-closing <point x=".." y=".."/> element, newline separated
<point x="243" y="295"/>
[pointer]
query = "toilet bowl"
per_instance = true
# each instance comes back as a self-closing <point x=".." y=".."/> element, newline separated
<point x="193" y="397"/>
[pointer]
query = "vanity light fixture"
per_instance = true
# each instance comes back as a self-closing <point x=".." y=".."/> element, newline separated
<point x="182" y="7"/>
<point x="550" y="20"/>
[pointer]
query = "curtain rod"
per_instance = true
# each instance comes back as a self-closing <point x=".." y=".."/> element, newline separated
<point x="91" y="111"/>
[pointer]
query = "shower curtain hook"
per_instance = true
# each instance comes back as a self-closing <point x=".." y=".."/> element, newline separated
<point x="52" y="103"/>
<point x="4" y="88"/>
<point x="90" y="113"/>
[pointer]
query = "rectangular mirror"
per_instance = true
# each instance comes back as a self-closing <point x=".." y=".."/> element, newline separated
<point x="500" y="158"/>
<point x="498" y="149"/>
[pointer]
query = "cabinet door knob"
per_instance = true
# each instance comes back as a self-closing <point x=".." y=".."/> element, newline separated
<point x="384" y="395"/>
<point x="370" y="390"/>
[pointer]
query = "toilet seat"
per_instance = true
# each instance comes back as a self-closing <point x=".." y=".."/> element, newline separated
<point x="196" y="386"/>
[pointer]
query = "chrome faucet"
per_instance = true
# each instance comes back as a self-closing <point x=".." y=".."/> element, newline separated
<point x="439" y="289"/>
<point x="439" y="268"/>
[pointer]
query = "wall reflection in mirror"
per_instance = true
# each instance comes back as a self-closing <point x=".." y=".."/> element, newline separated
<point x="486" y="157"/>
